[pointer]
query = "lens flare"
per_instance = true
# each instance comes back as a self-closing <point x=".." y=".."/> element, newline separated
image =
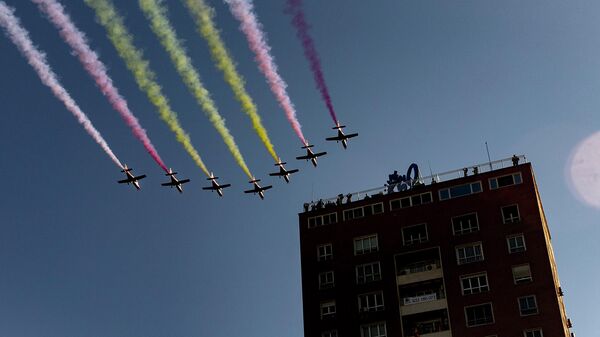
<point x="583" y="170"/>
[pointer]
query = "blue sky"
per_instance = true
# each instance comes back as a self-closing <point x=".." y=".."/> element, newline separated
<point x="421" y="81"/>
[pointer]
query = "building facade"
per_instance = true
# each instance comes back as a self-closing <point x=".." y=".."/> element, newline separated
<point x="467" y="257"/>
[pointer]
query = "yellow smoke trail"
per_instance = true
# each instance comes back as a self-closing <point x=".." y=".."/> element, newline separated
<point x="108" y="17"/>
<point x="156" y="14"/>
<point x="203" y="15"/>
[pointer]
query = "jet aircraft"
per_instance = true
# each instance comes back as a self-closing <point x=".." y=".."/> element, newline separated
<point x="131" y="179"/>
<point x="283" y="172"/>
<point x="174" y="181"/>
<point x="341" y="136"/>
<point x="257" y="188"/>
<point x="311" y="155"/>
<point x="215" y="185"/>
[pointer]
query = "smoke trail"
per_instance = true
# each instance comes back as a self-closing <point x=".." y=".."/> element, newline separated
<point x="37" y="59"/>
<point x="243" y="10"/>
<point x="310" y="52"/>
<point x="92" y="64"/>
<point x="156" y="13"/>
<point x="144" y="76"/>
<point x="203" y="15"/>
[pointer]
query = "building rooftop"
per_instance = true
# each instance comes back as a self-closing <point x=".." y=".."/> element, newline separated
<point x="412" y="179"/>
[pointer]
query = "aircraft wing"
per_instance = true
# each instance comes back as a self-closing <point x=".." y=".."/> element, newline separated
<point x="265" y="188"/>
<point x="352" y="135"/>
<point x="124" y="181"/>
<point x="303" y="157"/>
<point x="251" y="191"/>
<point x="275" y="174"/>
<point x="293" y="171"/>
<point x="209" y="188"/>
<point x="335" y="138"/>
<point x="184" y="181"/>
<point x="225" y="185"/>
<point x="320" y="154"/>
<point x="169" y="184"/>
<point x="140" y="177"/>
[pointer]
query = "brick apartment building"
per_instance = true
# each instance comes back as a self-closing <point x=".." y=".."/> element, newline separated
<point x="470" y="256"/>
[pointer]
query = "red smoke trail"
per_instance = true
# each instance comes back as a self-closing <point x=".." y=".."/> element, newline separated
<point x="20" y="37"/>
<point x="298" y="20"/>
<point x="92" y="64"/>
<point x="243" y="11"/>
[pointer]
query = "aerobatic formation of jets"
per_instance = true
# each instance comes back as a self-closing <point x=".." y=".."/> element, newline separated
<point x="107" y="15"/>
<point x="257" y="189"/>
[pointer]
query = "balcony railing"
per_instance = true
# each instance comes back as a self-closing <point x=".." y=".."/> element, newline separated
<point x="434" y="296"/>
<point x="419" y="267"/>
<point x="426" y="180"/>
<point x="429" y="327"/>
<point x="419" y="299"/>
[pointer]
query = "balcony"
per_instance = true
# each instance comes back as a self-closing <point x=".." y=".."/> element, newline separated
<point x="446" y="333"/>
<point x="422" y="303"/>
<point x="429" y="324"/>
<point x="417" y="308"/>
<point x="419" y="271"/>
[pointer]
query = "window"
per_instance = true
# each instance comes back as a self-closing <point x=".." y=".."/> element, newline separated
<point x="533" y="333"/>
<point x="503" y="181"/>
<point x="460" y="190"/>
<point x="354" y="213"/>
<point x="326" y="280"/>
<point x="410" y="201"/>
<point x="414" y="234"/>
<point x="472" y="252"/>
<point x="528" y="305"/>
<point x="510" y="214"/>
<point x="368" y="272"/>
<point x="373" y="209"/>
<point x="464" y="224"/>
<point x="521" y="274"/>
<point x="324" y="252"/>
<point x="479" y="314"/>
<point x="516" y="243"/>
<point x="365" y="244"/>
<point x="322" y="220"/>
<point x="330" y="333"/>
<point x="373" y="330"/>
<point x="361" y="212"/>
<point x="315" y="221"/>
<point x="370" y="302"/>
<point x="474" y="284"/>
<point x="327" y="309"/>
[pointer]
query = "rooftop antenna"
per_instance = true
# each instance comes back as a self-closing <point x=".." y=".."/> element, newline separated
<point x="430" y="171"/>
<point x="488" y="153"/>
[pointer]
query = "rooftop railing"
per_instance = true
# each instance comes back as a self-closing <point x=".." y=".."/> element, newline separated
<point x="420" y="181"/>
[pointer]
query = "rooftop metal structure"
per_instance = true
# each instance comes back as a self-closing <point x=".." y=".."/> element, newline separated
<point x="427" y="180"/>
